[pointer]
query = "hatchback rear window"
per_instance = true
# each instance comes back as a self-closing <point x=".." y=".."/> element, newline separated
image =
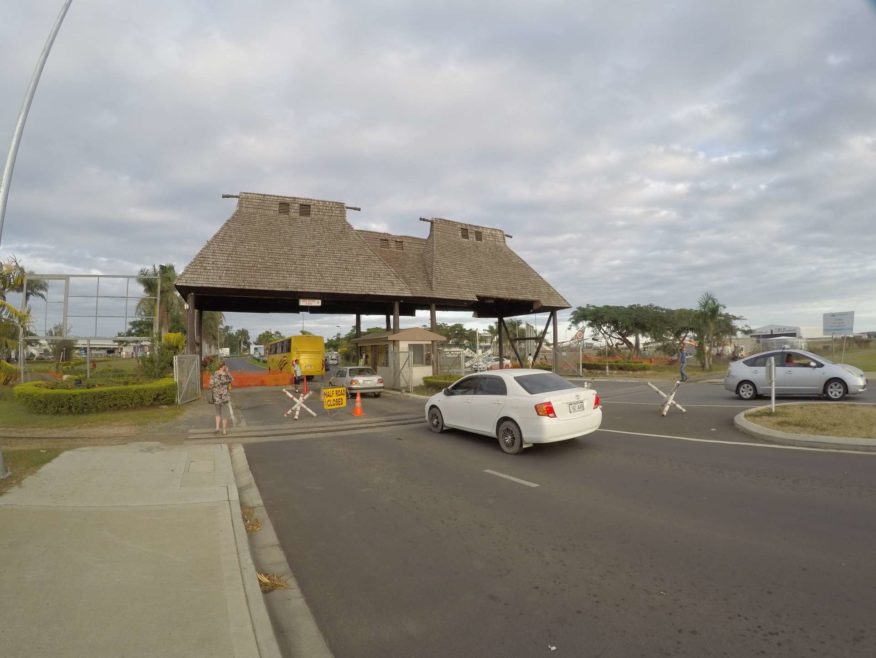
<point x="543" y="383"/>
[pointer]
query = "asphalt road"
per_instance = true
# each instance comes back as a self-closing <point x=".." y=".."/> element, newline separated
<point x="655" y="536"/>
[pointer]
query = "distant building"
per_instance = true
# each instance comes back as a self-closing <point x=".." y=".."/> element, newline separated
<point x="776" y="331"/>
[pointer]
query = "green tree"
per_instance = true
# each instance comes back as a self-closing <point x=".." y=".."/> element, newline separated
<point x="456" y="334"/>
<point x="63" y="349"/>
<point x="15" y="322"/>
<point x="211" y="325"/>
<point x="712" y="327"/>
<point x="235" y="339"/>
<point x="624" y="325"/>
<point x="170" y="305"/>
<point x="267" y="336"/>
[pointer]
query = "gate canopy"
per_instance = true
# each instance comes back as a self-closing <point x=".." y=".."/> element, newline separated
<point x="279" y="253"/>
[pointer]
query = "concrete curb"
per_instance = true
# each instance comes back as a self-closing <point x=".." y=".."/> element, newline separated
<point x="807" y="440"/>
<point x="258" y="612"/>
<point x="256" y="431"/>
<point x="294" y="630"/>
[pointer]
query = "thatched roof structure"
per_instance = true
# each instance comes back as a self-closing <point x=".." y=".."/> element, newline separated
<point x="276" y="250"/>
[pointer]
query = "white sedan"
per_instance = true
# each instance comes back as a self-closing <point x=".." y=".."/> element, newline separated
<point x="517" y="406"/>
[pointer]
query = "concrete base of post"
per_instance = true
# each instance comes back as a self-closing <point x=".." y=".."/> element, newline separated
<point x="3" y="472"/>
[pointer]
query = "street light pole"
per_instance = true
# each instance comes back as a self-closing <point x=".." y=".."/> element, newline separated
<point x="22" y="116"/>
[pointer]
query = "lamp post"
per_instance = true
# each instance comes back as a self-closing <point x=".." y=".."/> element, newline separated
<point x="22" y="115"/>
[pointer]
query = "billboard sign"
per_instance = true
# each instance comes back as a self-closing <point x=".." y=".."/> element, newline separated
<point x="839" y="324"/>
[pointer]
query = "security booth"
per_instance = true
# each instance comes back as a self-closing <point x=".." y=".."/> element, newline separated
<point x="402" y="358"/>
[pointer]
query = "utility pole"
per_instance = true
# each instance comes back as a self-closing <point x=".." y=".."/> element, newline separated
<point x="22" y="115"/>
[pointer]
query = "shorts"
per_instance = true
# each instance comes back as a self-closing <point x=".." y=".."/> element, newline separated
<point x="223" y="410"/>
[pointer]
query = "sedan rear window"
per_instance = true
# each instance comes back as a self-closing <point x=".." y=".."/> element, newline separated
<point x="361" y="372"/>
<point x="543" y="383"/>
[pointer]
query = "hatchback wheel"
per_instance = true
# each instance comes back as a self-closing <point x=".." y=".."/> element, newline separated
<point x="510" y="437"/>
<point x="746" y="391"/>
<point x="436" y="420"/>
<point x="835" y="390"/>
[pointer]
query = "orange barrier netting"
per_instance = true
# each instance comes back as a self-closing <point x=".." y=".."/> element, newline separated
<point x="245" y="379"/>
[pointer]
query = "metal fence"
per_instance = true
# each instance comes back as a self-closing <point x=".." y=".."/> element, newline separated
<point x="400" y="372"/>
<point x="451" y="362"/>
<point x="187" y="374"/>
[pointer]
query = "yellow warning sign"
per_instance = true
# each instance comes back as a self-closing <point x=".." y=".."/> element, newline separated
<point x="334" y="398"/>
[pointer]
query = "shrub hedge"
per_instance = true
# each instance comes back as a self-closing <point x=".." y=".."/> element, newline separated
<point x="437" y="382"/>
<point x="50" y="398"/>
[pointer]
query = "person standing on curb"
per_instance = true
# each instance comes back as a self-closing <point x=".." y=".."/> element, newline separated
<point x="682" y="362"/>
<point x="220" y="387"/>
<point x="296" y="371"/>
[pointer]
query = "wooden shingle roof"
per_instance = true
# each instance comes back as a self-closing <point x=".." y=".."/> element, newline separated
<point x="276" y="250"/>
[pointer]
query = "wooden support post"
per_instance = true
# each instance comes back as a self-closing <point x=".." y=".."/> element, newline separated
<point x="500" y="322"/>
<point x="553" y="318"/>
<point x="433" y="324"/>
<point x="191" y="325"/>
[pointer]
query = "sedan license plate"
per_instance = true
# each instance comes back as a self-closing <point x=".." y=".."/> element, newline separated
<point x="576" y="406"/>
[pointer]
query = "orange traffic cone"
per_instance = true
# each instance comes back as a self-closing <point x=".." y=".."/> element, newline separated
<point x="305" y="385"/>
<point x="357" y="409"/>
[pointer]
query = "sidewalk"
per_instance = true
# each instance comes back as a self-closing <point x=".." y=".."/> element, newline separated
<point x="130" y="550"/>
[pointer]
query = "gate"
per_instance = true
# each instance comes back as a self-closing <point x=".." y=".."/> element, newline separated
<point x="402" y="371"/>
<point x="187" y="375"/>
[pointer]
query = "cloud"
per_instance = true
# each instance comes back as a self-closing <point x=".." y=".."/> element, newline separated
<point x="636" y="156"/>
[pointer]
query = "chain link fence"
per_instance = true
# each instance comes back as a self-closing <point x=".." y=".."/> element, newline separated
<point x="187" y="375"/>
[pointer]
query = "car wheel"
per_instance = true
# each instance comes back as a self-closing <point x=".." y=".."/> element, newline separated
<point x="746" y="391"/>
<point x="510" y="437"/>
<point x="835" y="390"/>
<point x="436" y="420"/>
<point x="377" y="395"/>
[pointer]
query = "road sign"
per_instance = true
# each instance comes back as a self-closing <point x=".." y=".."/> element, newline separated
<point x="334" y="398"/>
<point x="839" y="324"/>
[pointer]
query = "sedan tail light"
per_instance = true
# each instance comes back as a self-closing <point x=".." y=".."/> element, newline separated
<point x="380" y="380"/>
<point x="545" y="409"/>
<point x="596" y="401"/>
<point x="354" y="382"/>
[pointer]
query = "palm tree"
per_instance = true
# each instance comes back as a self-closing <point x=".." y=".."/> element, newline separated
<point x="170" y="304"/>
<point x="708" y="317"/>
<point x="211" y="325"/>
<point x="14" y="322"/>
<point x="12" y="275"/>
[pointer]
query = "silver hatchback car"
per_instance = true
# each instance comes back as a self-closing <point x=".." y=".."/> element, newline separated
<point x="797" y="373"/>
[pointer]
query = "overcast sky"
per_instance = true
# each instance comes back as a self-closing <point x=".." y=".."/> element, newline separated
<point x="638" y="152"/>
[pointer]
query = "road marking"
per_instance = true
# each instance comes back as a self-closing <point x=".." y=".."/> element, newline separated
<point x="657" y="404"/>
<point x="741" y="443"/>
<point x="509" y="477"/>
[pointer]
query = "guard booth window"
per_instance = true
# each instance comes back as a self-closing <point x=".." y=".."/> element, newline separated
<point x="421" y="355"/>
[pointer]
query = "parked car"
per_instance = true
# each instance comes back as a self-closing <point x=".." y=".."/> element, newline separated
<point x="797" y="373"/>
<point x="358" y="379"/>
<point x="519" y="407"/>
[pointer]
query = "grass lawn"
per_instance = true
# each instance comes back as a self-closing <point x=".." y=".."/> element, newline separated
<point x="22" y="463"/>
<point x="824" y="419"/>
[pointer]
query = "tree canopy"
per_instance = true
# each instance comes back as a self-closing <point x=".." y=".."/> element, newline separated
<point x="626" y="326"/>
